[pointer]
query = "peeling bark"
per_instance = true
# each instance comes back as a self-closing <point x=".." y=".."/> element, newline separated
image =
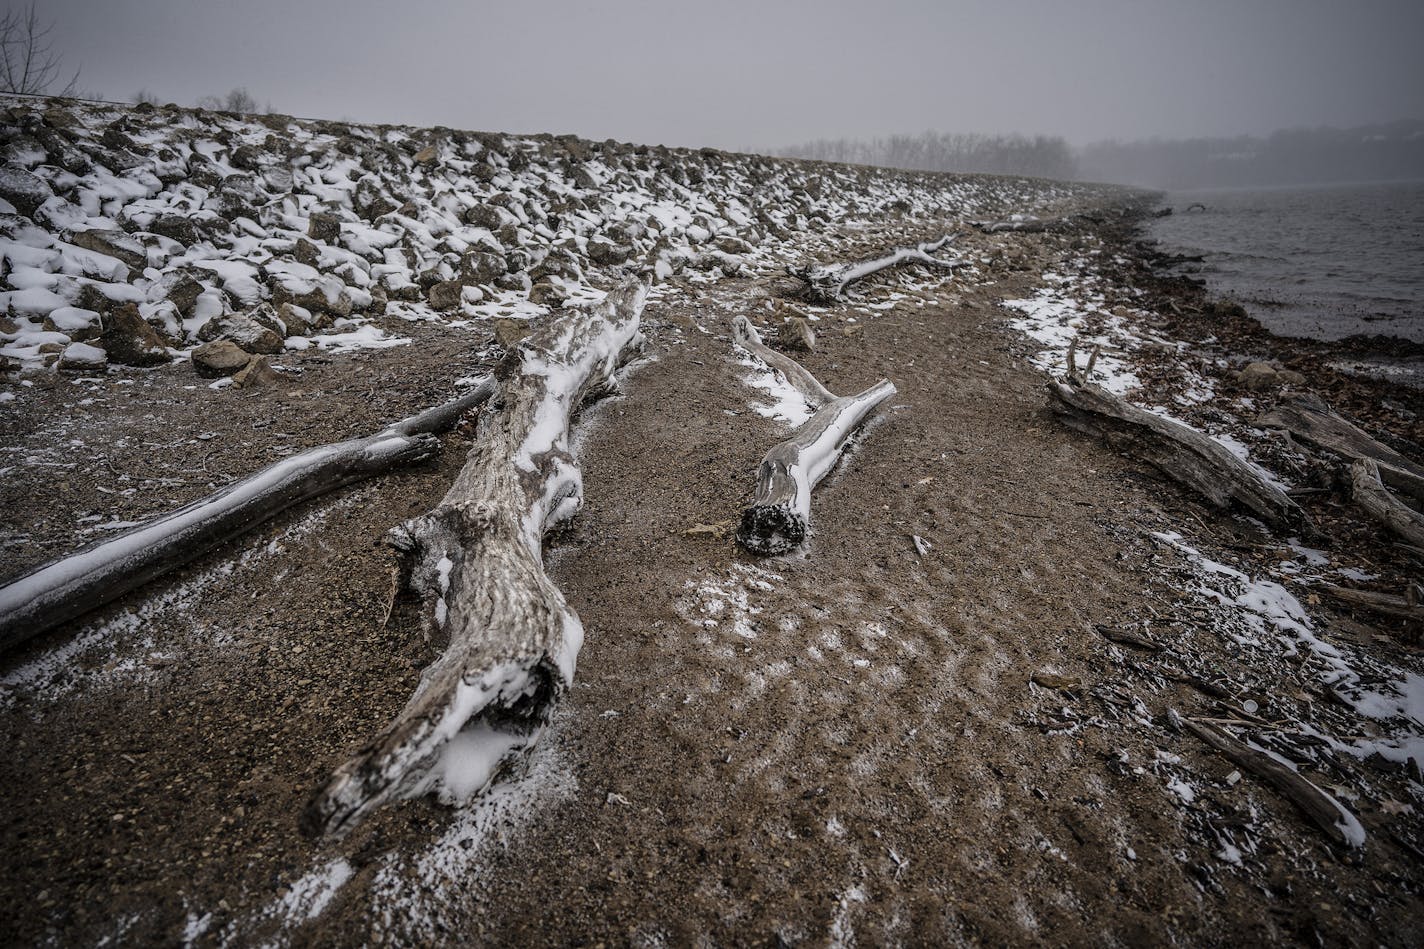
<point x="1310" y="420"/>
<point x="1178" y="451"/>
<point x="779" y="518"/>
<point x="1374" y="498"/>
<point x="67" y="588"/>
<point x="474" y="564"/>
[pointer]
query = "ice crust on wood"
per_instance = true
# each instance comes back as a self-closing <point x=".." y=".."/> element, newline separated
<point x="474" y="566"/>
<point x="779" y="518"/>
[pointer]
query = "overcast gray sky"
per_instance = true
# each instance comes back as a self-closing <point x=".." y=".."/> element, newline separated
<point x="739" y="73"/>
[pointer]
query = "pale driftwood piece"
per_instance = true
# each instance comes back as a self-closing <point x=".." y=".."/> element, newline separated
<point x="1410" y="606"/>
<point x="779" y="518"/>
<point x="1022" y="224"/>
<point x="827" y="283"/>
<point x="1309" y="419"/>
<point x="72" y="586"/>
<point x="1369" y="492"/>
<point x="1324" y="811"/>
<point x="475" y="566"/>
<point x="1178" y="451"/>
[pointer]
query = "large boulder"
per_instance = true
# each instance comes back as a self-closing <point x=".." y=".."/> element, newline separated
<point x="132" y="342"/>
<point x="24" y="190"/>
<point x="221" y="357"/>
<point x="114" y="243"/>
<point x="445" y="295"/>
<point x="483" y="268"/>
<point x="324" y="227"/>
<point x="605" y="252"/>
<point x="246" y="330"/>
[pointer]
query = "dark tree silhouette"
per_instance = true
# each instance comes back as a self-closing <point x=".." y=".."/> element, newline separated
<point x="28" y="63"/>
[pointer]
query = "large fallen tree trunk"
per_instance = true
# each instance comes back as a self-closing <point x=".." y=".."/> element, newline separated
<point x="779" y="518"/>
<point x="1410" y="606"/>
<point x="1309" y="419"/>
<point x="474" y="564"/>
<point x="827" y="283"/>
<point x="1371" y="495"/>
<point x="1323" y="810"/>
<point x="1177" y="450"/>
<point x="67" y="588"/>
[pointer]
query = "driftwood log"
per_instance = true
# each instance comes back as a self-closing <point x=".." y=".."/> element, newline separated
<point x="1177" y="450"/>
<point x="71" y="586"/>
<point x="1022" y="224"/>
<point x="1410" y="606"/>
<point x="1324" y="811"/>
<point x="779" y="518"/>
<point x="474" y="566"/>
<point x="1375" y="499"/>
<point x="827" y="283"/>
<point x="1310" y="420"/>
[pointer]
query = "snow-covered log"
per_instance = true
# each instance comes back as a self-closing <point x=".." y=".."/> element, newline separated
<point x="779" y="518"/>
<point x="1323" y="810"/>
<point x="474" y="564"/>
<point x="1177" y="450"/>
<point x="71" y="586"/>
<point x="1310" y="420"/>
<point x="1375" y="499"/>
<point x="827" y="283"/>
<point x="1022" y="224"/>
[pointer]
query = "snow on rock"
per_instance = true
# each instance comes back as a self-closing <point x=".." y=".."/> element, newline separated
<point x="194" y="215"/>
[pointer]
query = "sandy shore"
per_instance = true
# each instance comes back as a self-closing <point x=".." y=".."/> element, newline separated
<point x="862" y="743"/>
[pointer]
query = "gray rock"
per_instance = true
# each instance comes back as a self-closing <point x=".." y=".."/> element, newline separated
<point x="306" y="252"/>
<point x="114" y="243"/>
<point x="257" y="372"/>
<point x="1258" y="376"/>
<point x="243" y="330"/>
<point x="132" y="342"/>
<point x="603" y="251"/>
<point x="221" y="357"/>
<point x="445" y="295"/>
<point x="483" y="268"/>
<point x="24" y="190"/>
<point x="546" y="294"/>
<point x="324" y="227"/>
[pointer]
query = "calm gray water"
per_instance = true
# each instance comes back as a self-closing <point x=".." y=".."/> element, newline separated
<point x="1324" y="262"/>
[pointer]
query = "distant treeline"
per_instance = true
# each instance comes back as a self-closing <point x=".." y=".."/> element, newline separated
<point x="1040" y="156"/>
<point x="1297" y="156"/>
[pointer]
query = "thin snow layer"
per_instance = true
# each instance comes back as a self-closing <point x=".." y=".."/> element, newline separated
<point x="414" y="896"/>
<point x="784" y="402"/>
<point x="106" y="653"/>
<point x="54" y="580"/>
<point x="1262" y="614"/>
<point x="1060" y="313"/>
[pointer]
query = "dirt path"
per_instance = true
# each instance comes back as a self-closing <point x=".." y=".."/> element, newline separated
<point x="815" y="750"/>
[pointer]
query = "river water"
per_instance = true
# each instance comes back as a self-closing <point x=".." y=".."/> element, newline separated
<point x="1324" y="262"/>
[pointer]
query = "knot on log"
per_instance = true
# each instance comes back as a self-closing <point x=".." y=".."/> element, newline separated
<point x="771" y="530"/>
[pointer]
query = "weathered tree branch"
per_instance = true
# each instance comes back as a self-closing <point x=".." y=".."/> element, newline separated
<point x="1323" y="810"/>
<point x="1374" y="498"/>
<point x="475" y="566"/>
<point x="1309" y="419"/>
<point x="827" y="283"/>
<point x="1178" y="451"/>
<point x="64" y="589"/>
<point x="779" y="518"/>
<point x="1410" y="606"/>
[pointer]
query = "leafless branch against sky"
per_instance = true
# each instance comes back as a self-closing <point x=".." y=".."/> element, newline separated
<point x="29" y="62"/>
